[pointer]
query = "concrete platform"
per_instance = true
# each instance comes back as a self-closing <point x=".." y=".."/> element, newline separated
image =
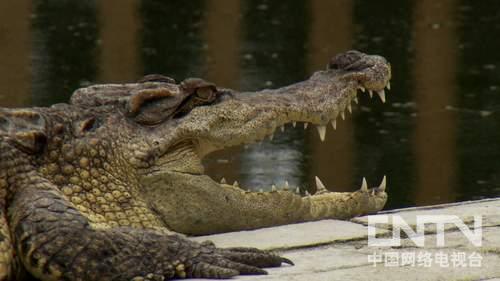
<point x="339" y="250"/>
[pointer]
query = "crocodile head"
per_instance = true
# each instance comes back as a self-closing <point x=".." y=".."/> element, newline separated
<point x="148" y="139"/>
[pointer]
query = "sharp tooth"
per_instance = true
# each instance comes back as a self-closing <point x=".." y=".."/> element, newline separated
<point x="334" y="124"/>
<point x="356" y="100"/>
<point x="362" y="88"/>
<point x="373" y="192"/>
<point x="381" y="94"/>
<point x="342" y="115"/>
<point x="349" y="107"/>
<point x="294" y="124"/>
<point x="322" y="132"/>
<point x="320" y="187"/>
<point x="307" y="193"/>
<point x="371" y="93"/>
<point x="223" y="181"/>
<point x="273" y="187"/>
<point x="282" y="128"/>
<point x="235" y="184"/>
<point x="305" y="125"/>
<point x="388" y="85"/>
<point x="383" y="184"/>
<point x="364" y="185"/>
<point x="286" y="184"/>
<point x="297" y="190"/>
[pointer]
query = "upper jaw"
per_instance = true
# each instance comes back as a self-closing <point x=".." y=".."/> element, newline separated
<point x="249" y="117"/>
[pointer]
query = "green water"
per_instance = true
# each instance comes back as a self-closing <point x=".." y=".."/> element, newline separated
<point x="437" y="138"/>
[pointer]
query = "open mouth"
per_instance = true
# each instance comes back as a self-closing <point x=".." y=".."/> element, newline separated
<point x="243" y="118"/>
<point x="339" y="114"/>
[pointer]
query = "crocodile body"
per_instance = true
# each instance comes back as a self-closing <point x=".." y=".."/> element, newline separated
<point x="97" y="189"/>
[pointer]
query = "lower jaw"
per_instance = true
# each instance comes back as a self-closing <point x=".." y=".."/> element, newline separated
<point x="195" y="204"/>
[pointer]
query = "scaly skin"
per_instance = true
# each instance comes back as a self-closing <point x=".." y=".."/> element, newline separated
<point x="95" y="189"/>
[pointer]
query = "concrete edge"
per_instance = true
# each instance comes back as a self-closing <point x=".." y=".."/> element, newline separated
<point x="438" y="206"/>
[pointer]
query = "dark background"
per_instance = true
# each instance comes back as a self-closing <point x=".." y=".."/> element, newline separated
<point x="437" y="138"/>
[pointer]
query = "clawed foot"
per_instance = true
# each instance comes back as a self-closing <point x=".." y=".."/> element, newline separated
<point x="220" y="263"/>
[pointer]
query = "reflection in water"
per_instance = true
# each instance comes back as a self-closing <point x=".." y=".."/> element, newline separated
<point x="478" y="145"/>
<point x="15" y="48"/>
<point x="436" y="138"/>
<point x="65" y="48"/>
<point x="331" y="33"/>
<point x="281" y="30"/>
<point x="435" y="130"/>
<point x="382" y="132"/>
<point x="222" y="57"/>
<point x="274" y="162"/>
<point x="119" y="60"/>
<point x="223" y="42"/>
<point x="171" y="43"/>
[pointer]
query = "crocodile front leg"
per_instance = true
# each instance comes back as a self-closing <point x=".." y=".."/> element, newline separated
<point x="6" y="253"/>
<point x="55" y="242"/>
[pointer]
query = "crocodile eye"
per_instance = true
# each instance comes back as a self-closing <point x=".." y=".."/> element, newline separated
<point x="205" y="93"/>
<point x="201" y="88"/>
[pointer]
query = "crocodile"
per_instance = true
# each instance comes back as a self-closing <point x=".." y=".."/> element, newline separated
<point x="107" y="186"/>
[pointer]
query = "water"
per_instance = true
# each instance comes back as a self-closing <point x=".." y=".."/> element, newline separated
<point x="437" y="138"/>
